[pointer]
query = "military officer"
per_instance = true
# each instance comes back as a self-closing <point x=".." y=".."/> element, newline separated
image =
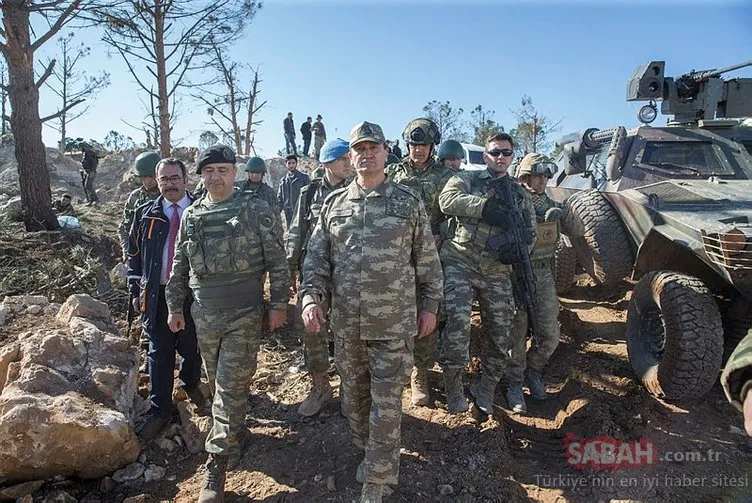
<point x="420" y="171"/>
<point x="473" y="267"/>
<point x="256" y="169"/>
<point x="337" y="173"/>
<point x="373" y="253"/>
<point x="737" y="380"/>
<point x="228" y="241"/>
<point x="143" y="167"/>
<point x="533" y="173"/>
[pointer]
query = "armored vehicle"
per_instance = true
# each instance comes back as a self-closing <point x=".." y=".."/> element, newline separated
<point x="670" y="206"/>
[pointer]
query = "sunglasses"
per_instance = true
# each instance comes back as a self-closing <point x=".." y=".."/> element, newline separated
<point x="506" y="152"/>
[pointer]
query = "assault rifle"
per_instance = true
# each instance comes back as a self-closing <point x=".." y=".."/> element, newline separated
<point x="512" y="245"/>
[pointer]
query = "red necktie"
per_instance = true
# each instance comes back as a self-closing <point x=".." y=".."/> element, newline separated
<point x="172" y="237"/>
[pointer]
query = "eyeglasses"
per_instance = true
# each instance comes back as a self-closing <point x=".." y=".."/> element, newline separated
<point x="506" y="152"/>
<point x="171" y="179"/>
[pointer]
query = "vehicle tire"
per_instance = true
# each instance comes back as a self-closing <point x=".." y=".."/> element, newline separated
<point x="737" y="320"/>
<point x="566" y="266"/>
<point x="608" y="258"/>
<point x="674" y="335"/>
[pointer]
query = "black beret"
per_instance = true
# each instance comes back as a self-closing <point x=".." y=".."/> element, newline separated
<point x="216" y="154"/>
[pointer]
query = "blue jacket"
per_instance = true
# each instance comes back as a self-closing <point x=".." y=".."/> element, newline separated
<point x="146" y="241"/>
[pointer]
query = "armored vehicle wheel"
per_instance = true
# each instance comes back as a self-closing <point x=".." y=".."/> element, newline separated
<point x="737" y="320"/>
<point x="674" y="335"/>
<point x="608" y="257"/>
<point x="566" y="266"/>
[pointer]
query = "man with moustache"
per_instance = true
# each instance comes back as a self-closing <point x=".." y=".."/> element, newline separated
<point x="151" y="244"/>
<point x="373" y="255"/>
<point x="228" y="241"/>
<point x="421" y="172"/>
<point x="337" y="173"/>
<point x="473" y="268"/>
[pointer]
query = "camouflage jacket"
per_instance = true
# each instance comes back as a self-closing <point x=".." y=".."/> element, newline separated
<point x="222" y="253"/>
<point x="263" y="192"/>
<point x="136" y="198"/>
<point x="548" y="232"/>
<point x="428" y="183"/>
<point x="61" y="208"/>
<point x="463" y="198"/>
<point x="737" y="375"/>
<point x="374" y="254"/>
<point x="305" y="218"/>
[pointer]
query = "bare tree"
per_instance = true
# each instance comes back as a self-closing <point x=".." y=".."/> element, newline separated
<point x="72" y="86"/>
<point x="4" y="118"/>
<point x="17" y="46"/>
<point x="533" y="130"/>
<point x="226" y="101"/>
<point x="483" y="124"/>
<point x="163" y="41"/>
<point x="448" y="119"/>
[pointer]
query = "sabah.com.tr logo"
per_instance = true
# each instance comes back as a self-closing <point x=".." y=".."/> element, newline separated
<point x="607" y="453"/>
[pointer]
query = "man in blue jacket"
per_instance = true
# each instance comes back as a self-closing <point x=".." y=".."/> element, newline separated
<point x="151" y="245"/>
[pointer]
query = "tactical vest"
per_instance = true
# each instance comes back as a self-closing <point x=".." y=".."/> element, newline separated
<point x="548" y="232"/>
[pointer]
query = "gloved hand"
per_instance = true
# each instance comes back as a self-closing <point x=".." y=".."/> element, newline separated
<point x="496" y="215"/>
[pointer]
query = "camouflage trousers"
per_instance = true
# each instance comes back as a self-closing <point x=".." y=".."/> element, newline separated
<point x="544" y="343"/>
<point x="494" y="293"/>
<point x="315" y="345"/>
<point x="318" y="142"/>
<point x="374" y="373"/>
<point x="229" y="341"/>
<point x="424" y="353"/>
<point x="89" y="191"/>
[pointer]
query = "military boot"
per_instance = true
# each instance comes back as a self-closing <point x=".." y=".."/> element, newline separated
<point x="516" y="398"/>
<point x="214" y="480"/>
<point x="535" y="383"/>
<point x="419" y="386"/>
<point x="483" y="391"/>
<point x="455" y="397"/>
<point x="372" y="493"/>
<point x="321" y="392"/>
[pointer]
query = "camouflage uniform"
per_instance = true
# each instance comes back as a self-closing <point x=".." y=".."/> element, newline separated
<point x="470" y="266"/>
<point x="737" y="375"/>
<point x="263" y="192"/>
<point x="546" y="301"/>
<point x="428" y="183"/>
<point x="223" y="251"/>
<point x="369" y="251"/>
<point x="136" y="198"/>
<point x="304" y="221"/>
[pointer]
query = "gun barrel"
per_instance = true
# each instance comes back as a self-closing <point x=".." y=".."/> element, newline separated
<point x="709" y="74"/>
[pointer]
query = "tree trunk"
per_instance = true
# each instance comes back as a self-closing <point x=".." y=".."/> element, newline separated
<point x="164" y="98"/>
<point x="25" y="123"/>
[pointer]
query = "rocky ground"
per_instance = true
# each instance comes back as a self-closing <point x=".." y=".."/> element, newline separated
<point x="467" y="457"/>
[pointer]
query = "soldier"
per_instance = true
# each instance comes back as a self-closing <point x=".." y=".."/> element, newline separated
<point x="737" y="380"/>
<point x="227" y="241"/>
<point x="150" y="254"/>
<point x="63" y="206"/>
<point x="472" y="267"/>
<point x="256" y="169"/>
<point x="337" y="173"/>
<point x="143" y="167"/>
<point x="369" y="251"/>
<point x="451" y="154"/>
<point x="289" y="188"/>
<point x="421" y="172"/>
<point x="533" y="173"/>
<point x="319" y="136"/>
<point x="89" y="163"/>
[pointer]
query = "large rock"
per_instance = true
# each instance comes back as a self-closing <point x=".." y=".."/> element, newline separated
<point x="66" y="396"/>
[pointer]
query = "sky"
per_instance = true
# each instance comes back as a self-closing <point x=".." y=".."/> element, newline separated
<point x="382" y="61"/>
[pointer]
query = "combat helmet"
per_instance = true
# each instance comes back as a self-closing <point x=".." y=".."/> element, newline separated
<point x="421" y="131"/>
<point x="451" y="149"/>
<point x="146" y="164"/>
<point x="255" y="165"/>
<point x="536" y="164"/>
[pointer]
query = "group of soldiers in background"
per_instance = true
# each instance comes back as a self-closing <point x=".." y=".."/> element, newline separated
<point x="391" y="257"/>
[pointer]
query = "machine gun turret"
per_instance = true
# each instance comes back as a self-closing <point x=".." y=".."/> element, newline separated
<point x="695" y="95"/>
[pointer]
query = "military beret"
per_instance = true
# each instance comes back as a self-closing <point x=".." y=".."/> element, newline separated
<point x="216" y="154"/>
<point x="333" y="150"/>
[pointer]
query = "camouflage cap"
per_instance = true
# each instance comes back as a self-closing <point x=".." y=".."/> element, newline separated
<point x="536" y="164"/>
<point x="366" y="131"/>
